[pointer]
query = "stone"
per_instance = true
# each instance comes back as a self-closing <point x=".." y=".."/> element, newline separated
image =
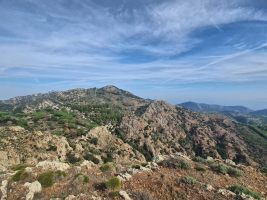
<point x="226" y="193"/>
<point x="124" y="195"/>
<point x="34" y="187"/>
<point x="3" y="189"/>
<point x="70" y="197"/>
<point x="209" y="187"/>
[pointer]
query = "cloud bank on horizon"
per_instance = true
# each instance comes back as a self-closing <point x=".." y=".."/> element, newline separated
<point x="202" y="50"/>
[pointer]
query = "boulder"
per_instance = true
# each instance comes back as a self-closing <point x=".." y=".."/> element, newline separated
<point x="34" y="188"/>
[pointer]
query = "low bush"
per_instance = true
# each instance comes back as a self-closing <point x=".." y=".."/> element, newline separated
<point x="113" y="184"/>
<point x="234" y="172"/>
<point x="176" y="163"/>
<point x="71" y="158"/>
<point x="107" y="167"/>
<point x="48" y="178"/>
<point x="199" y="159"/>
<point x="94" y="141"/>
<point x="220" y="168"/>
<point x="92" y="158"/>
<point x="189" y="180"/>
<point x="239" y="189"/>
<point x="20" y="175"/>
<point x="200" y="168"/>
<point x="224" y="169"/>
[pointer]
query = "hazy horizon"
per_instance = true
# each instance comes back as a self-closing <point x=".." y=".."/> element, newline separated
<point x="203" y="51"/>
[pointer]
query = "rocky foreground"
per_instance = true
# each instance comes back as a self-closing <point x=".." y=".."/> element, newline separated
<point x="46" y="172"/>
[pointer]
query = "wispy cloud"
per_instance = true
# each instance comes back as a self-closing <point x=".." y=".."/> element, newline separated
<point x="154" y="42"/>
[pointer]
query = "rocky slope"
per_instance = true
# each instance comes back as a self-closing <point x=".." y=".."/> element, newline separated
<point x="79" y="139"/>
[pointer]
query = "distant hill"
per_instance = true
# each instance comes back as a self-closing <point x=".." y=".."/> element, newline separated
<point x="201" y="107"/>
<point x="259" y="112"/>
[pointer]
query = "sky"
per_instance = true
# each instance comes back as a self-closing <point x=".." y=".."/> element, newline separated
<point x="208" y="51"/>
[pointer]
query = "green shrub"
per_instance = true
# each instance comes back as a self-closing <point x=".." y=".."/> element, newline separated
<point x="94" y="141"/>
<point x="20" y="175"/>
<point x="72" y="158"/>
<point x="48" y="178"/>
<point x="85" y="179"/>
<point x="200" y="168"/>
<point x="200" y="159"/>
<point x="189" y="180"/>
<point x="220" y="168"/>
<point x="183" y="164"/>
<point x="224" y="169"/>
<point x="38" y="115"/>
<point x="234" y="172"/>
<point x="92" y="158"/>
<point x="113" y="184"/>
<point x="107" y="167"/>
<point x="239" y="189"/>
<point x="176" y="163"/>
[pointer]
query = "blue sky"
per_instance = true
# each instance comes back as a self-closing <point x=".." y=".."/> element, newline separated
<point x="212" y="51"/>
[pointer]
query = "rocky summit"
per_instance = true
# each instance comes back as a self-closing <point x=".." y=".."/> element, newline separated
<point x="107" y="143"/>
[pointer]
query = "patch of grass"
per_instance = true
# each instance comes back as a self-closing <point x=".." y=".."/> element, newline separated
<point x="20" y="175"/>
<point x="107" y="167"/>
<point x="239" y="189"/>
<point x="92" y="158"/>
<point x="200" y="168"/>
<point x="189" y="180"/>
<point x="47" y="179"/>
<point x="224" y="169"/>
<point x="113" y="184"/>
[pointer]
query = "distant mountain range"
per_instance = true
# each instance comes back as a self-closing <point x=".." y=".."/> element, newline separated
<point x="202" y="107"/>
<point x="260" y="112"/>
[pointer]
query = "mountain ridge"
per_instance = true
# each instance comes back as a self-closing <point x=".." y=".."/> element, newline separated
<point x="203" y="107"/>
